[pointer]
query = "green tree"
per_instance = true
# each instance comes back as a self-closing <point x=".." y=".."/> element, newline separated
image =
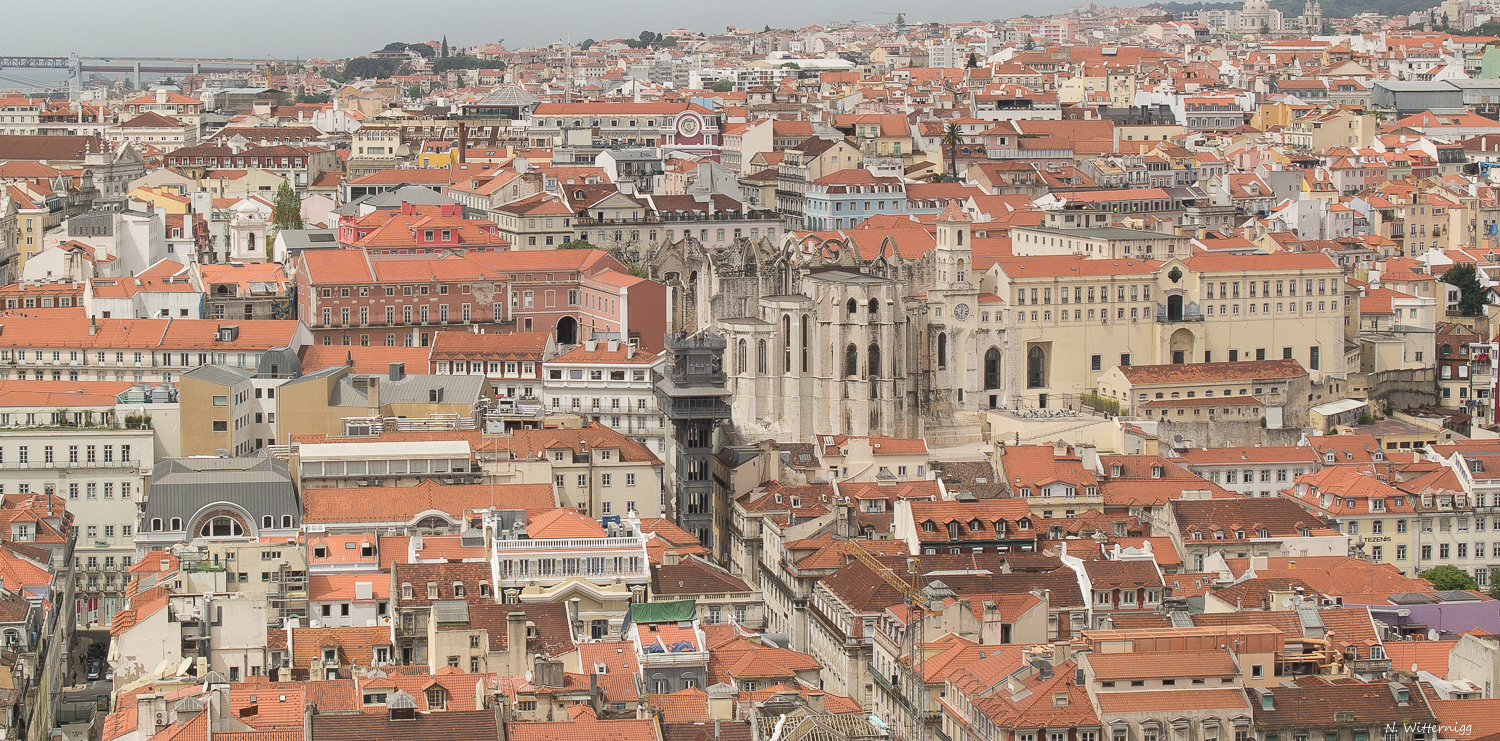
<point x="395" y="46"/>
<point x="722" y="86"/>
<point x="305" y="97"/>
<point x="415" y="91"/>
<point x="1449" y="578"/>
<point x="1471" y="294"/>
<point x="973" y="61"/>
<point x="365" y="68"/>
<point x="577" y="244"/>
<point x="287" y="213"/>
<point x="952" y="137"/>
<point x="425" y="50"/>
<point x="1495" y="590"/>
<point x="584" y="46"/>
<point x="445" y="46"/>
<point x="463" y="62"/>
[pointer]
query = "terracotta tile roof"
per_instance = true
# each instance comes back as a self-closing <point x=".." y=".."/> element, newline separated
<point x="616" y="656"/>
<point x="333" y="695"/>
<point x="1427" y="656"/>
<point x="1249" y="455"/>
<point x="1037" y="706"/>
<point x="356" y="646"/>
<point x="562" y="522"/>
<point x="861" y="589"/>
<point x="372" y="359"/>
<point x="743" y="658"/>
<point x="266" y="705"/>
<point x="533" y="444"/>
<point x="692" y="576"/>
<point x="341" y="587"/>
<point x="1313" y="701"/>
<point x="1162" y="665"/>
<point x="832" y="704"/>
<point x="529" y="346"/>
<point x="591" y="729"/>
<point x="125" y="334"/>
<point x="1231" y="700"/>
<point x="687" y="706"/>
<point x="444" y="575"/>
<point x="473" y="725"/>
<point x="1282" y="518"/>
<point x="1178" y="373"/>
<point x="1122" y="574"/>
<point x="601" y="354"/>
<point x="1037" y="466"/>
<point x="987" y="512"/>
<point x="379" y="504"/>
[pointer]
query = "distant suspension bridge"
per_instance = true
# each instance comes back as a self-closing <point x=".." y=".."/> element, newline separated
<point x="134" y="66"/>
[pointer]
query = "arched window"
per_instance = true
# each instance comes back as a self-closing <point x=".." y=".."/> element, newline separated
<point x="942" y="350"/>
<point x="286" y="521"/>
<point x="741" y="357"/>
<point x="962" y="274"/>
<point x="786" y="344"/>
<point x="1036" y="367"/>
<point x="853" y="308"/>
<point x="874" y="309"/>
<point x="851" y="361"/>
<point x="960" y="233"/>
<point x="176" y="524"/>
<point x="760" y="356"/>
<point x="221" y="527"/>
<point x="992" y="368"/>
<point x="874" y="358"/>
<point x="805" y="322"/>
<point x="266" y="523"/>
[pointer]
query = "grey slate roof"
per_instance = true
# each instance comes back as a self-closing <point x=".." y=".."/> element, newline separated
<point x="188" y="488"/>
<point x="223" y="375"/>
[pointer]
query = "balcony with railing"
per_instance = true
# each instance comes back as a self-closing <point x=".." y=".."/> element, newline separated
<point x="631" y="544"/>
<point x="677" y="217"/>
<point x="1173" y="313"/>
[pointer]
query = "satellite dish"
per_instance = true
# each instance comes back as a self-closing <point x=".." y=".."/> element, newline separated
<point x="1287" y="602"/>
<point x="528" y="675"/>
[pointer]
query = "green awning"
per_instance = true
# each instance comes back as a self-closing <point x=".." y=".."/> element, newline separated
<point x="662" y="612"/>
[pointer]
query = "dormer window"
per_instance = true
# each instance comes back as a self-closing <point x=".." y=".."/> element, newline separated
<point x="975" y="525"/>
<point x="929" y="526"/>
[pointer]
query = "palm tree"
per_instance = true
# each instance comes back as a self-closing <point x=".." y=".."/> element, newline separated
<point x="952" y="137"/>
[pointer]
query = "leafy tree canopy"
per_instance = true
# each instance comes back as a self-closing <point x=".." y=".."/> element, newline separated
<point x="463" y="62"/>
<point x="1447" y="578"/>
<point x="366" y="68"/>
<point x="1471" y="295"/>
<point x="722" y="86"/>
<point x="287" y="211"/>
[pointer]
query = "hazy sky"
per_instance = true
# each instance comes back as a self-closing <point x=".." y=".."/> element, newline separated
<point x="301" y="29"/>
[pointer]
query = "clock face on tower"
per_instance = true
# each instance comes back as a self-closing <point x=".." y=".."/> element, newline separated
<point x="961" y="312"/>
<point x="687" y="125"/>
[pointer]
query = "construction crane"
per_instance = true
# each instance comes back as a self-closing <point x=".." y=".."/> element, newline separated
<point x="898" y="19"/>
<point x="914" y="693"/>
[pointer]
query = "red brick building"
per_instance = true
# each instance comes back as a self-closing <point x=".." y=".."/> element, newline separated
<point x="357" y="298"/>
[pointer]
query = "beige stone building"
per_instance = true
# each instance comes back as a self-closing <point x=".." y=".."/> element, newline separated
<point x="1070" y="319"/>
<point x="1276" y="390"/>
